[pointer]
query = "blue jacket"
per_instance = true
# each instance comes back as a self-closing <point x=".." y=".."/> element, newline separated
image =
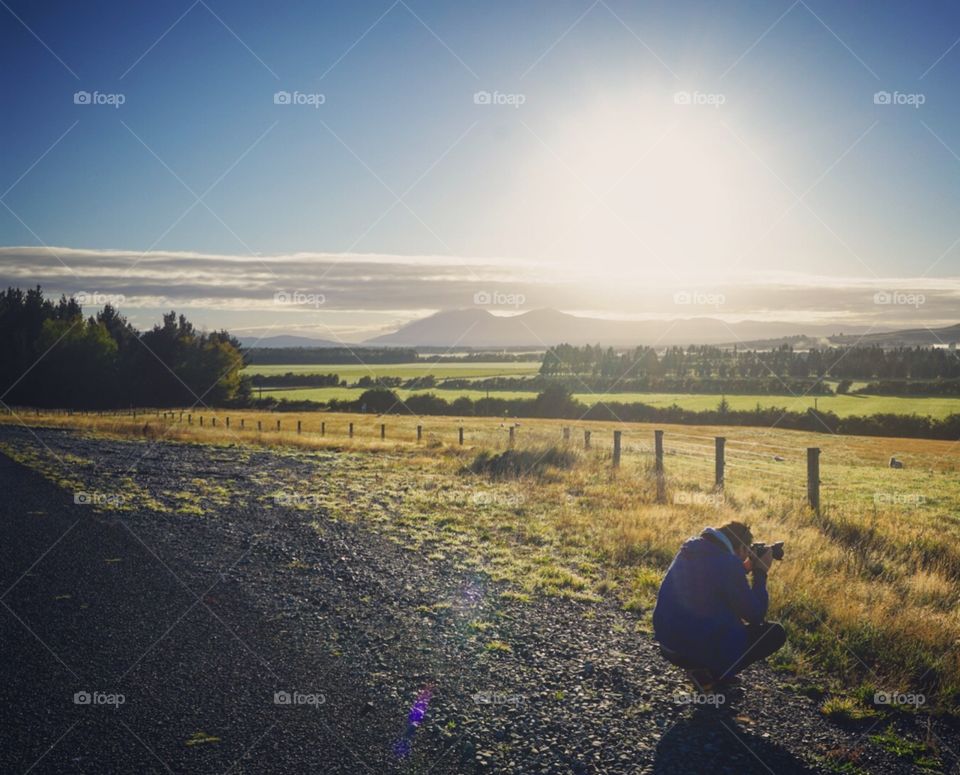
<point x="704" y="600"/>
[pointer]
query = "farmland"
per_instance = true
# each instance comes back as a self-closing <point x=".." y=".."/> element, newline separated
<point x="353" y="371"/>
<point x="842" y="405"/>
<point x="887" y="538"/>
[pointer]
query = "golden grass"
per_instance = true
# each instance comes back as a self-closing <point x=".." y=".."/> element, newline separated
<point x="869" y="589"/>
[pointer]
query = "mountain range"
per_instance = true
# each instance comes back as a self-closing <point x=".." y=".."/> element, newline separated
<point x="538" y="329"/>
<point x="548" y="327"/>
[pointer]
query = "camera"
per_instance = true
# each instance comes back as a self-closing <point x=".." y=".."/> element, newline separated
<point x="777" y="549"/>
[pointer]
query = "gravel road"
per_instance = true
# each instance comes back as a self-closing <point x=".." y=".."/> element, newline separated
<point x="260" y="635"/>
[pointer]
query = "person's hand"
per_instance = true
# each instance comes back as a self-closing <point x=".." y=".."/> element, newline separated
<point x="764" y="561"/>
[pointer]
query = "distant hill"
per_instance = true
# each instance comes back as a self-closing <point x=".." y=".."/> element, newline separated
<point x="286" y="340"/>
<point x="912" y="337"/>
<point x="548" y="327"/>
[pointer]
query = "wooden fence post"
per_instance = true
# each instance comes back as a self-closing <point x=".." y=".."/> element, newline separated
<point x="351" y="430"/>
<point x="189" y="419"/>
<point x="228" y="422"/>
<point x="323" y="428"/>
<point x="383" y="430"/>
<point x="461" y="435"/>
<point x="586" y="439"/>
<point x="278" y="425"/>
<point x="658" y="465"/>
<point x="298" y="426"/>
<point x="243" y="422"/>
<point x="214" y="421"/>
<point x="566" y="434"/>
<point x="813" y="478"/>
<point x="616" y="449"/>
<point x="201" y="420"/>
<point x="719" y="461"/>
<point x="259" y="426"/>
<point x="511" y="435"/>
<point x="419" y="433"/>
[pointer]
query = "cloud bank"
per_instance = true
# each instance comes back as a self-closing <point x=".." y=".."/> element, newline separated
<point x="355" y="295"/>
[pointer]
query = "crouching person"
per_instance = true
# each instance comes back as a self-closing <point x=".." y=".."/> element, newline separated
<point x="708" y="619"/>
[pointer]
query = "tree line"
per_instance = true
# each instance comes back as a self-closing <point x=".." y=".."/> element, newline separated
<point x="557" y="403"/>
<point x="704" y="362"/>
<point x="53" y="356"/>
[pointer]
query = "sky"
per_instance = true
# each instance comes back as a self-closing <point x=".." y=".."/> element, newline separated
<point x="337" y="169"/>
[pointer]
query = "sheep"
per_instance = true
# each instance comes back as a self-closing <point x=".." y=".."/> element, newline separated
<point x="894" y="463"/>
<point x="778" y="459"/>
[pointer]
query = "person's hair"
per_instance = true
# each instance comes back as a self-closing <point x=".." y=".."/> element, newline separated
<point x="738" y="534"/>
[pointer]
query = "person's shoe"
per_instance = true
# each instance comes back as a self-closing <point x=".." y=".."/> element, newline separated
<point x="702" y="678"/>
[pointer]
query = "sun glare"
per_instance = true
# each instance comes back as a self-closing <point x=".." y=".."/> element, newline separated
<point x="647" y="187"/>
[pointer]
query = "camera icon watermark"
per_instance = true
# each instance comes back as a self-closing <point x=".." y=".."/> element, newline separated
<point x="911" y="99"/>
<point x="510" y="500"/>
<point x="99" y="698"/>
<point x="897" y="698"/>
<point x="699" y="698"/>
<point x="314" y="99"/>
<point x="899" y="298"/>
<point x="686" y="498"/>
<point x="708" y="99"/>
<point x="312" y="699"/>
<point x="113" y="99"/>
<point x="299" y="299"/>
<point x="498" y="299"/>
<point x="497" y="698"/>
<point x="102" y="499"/>
<point x="297" y="500"/>
<point x="514" y="100"/>
<point x="905" y="499"/>
<point x="97" y="299"/>
<point x="699" y="299"/>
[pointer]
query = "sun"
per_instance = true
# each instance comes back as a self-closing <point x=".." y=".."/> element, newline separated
<point x="641" y="187"/>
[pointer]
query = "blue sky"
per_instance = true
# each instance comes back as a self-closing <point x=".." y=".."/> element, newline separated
<point x="783" y="171"/>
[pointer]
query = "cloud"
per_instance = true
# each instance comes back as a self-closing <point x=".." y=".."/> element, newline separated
<point x="373" y="290"/>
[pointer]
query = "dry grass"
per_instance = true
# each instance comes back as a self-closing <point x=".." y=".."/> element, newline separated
<point x="869" y="588"/>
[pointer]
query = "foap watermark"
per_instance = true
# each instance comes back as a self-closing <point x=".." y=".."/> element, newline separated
<point x="98" y="299"/>
<point x="508" y="499"/>
<point x="313" y="699"/>
<point x="99" y="698"/>
<point x="699" y="299"/>
<point x="906" y="499"/>
<point x="297" y="500"/>
<point x="513" y="100"/>
<point x="498" y="698"/>
<point x="685" y="498"/>
<point x="709" y="99"/>
<point x="498" y="299"/>
<point x="113" y="99"/>
<point x="897" y="698"/>
<point x="899" y="298"/>
<point x="310" y="99"/>
<point x="108" y="499"/>
<point x="911" y="99"/>
<point x="299" y="299"/>
<point x="699" y="698"/>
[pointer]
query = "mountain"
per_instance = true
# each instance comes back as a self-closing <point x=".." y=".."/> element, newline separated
<point x="548" y="327"/>
<point x="286" y="340"/>
<point x="911" y="337"/>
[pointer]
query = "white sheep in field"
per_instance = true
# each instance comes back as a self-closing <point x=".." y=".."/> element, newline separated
<point x="894" y="463"/>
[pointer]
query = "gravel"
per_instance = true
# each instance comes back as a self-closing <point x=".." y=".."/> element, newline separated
<point x="205" y="623"/>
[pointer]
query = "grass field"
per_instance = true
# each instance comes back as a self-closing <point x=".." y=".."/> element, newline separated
<point x="869" y="590"/>
<point x="842" y="405"/>
<point x="353" y="371"/>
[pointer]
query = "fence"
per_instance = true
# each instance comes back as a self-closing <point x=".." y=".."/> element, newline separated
<point x="717" y="457"/>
